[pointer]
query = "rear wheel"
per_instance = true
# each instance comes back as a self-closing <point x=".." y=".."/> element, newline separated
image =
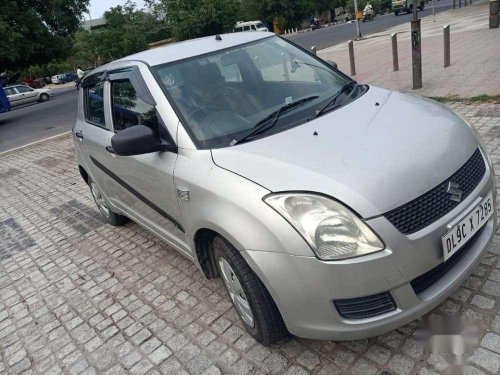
<point x="103" y="206"/>
<point x="252" y="301"/>
<point x="44" y="97"/>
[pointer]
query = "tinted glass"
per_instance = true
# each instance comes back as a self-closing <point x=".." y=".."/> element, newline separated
<point x="129" y="109"/>
<point x="10" y="91"/>
<point x="94" y="104"/>
<point x="222" y="96"/>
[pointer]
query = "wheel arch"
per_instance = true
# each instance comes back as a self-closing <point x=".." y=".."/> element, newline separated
<point x="84" y="174"/>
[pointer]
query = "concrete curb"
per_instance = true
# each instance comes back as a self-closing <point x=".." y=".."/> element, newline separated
<point x="14" y="150"/>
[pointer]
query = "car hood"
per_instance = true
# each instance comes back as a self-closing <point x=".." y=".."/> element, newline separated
<point x="374" y="154"/>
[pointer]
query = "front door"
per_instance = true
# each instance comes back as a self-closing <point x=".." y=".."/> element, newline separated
<point x="143" y="184"/>
<point x="27" y="94"/>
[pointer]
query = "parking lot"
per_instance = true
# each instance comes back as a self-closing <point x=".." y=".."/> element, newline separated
<point x="78" y="296"/>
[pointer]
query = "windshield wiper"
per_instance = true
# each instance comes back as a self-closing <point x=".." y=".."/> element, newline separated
<point x="332" y="102"/>
<point x="273" y="117"/>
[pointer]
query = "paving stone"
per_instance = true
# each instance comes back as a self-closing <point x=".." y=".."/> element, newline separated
<point x="491" y="341"/>
<point x="363" y="367"/>
<point x="160" y="354"/>
<point x="482" y="302"/>
<point x="399" y="364"/>
<point x="308" y="359"/>
<point x="486" y="359"/>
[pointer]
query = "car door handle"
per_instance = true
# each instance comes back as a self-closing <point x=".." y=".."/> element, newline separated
<point x="79" y="134"/>
<point x="110" y="150"/>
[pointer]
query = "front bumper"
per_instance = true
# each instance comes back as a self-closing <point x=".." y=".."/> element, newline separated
<point x="304" y="288"/>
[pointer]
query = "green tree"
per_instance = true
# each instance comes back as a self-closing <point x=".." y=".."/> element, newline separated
<point x="36" y="32"/>
<point x="196" y="18"/>
<point x="128" y="30"/>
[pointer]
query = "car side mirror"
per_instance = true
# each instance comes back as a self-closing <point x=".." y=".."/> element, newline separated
<point x="332" y="63"/>
<point x="138" y="140"/>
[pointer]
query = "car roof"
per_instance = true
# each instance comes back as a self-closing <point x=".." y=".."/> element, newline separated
<point x="245" y="23"/>
<point x="189" y="48"/>
<point x="12" y="86"/>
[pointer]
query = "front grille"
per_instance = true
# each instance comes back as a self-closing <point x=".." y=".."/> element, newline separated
<point x="429" y="207"/>
<point x="428" y="279"/>
<point x="365" y="307"/>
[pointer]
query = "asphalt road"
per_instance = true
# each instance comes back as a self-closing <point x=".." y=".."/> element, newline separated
<point x="329" y="36"/>
<point x="37" y="121"/>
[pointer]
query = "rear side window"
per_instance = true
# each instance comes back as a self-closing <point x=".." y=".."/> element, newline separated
<point x="94" y="104"/>
<point x="10" y="91"/>
<point x="129" y="109"/>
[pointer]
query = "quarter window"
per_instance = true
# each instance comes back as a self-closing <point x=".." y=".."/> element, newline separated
<point x="94" y="104"/>
<point x="129" y="109"/>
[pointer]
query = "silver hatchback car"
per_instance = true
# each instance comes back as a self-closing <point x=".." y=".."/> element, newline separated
<point x="330" y="209"/>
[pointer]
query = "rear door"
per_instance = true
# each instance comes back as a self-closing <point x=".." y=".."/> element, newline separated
<point x="13" y="96"/>
<point x="93" y="132"/>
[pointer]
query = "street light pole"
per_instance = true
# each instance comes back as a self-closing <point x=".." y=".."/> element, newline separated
<point x="358" y="31"/>
<point x="416" y="51"/>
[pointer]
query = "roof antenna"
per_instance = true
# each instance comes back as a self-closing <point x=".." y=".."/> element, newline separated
<point x="217" y="37"/>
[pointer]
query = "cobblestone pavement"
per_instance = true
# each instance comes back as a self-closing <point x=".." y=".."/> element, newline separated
<point x="78" y="296"/>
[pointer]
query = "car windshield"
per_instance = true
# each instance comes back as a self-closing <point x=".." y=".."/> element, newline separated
<point x="222" y="96"/>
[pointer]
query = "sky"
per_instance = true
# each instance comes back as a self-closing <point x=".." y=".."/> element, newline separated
<point x="98" y="7"/>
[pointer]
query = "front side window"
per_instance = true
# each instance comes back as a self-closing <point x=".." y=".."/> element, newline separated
<point x="94" y="104"/>
<point x="129" y="109"/>
<point x="23" y="89"/>
<point x="222" y="96"/>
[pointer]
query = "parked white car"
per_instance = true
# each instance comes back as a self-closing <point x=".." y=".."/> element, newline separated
<point x="21" y="94"/>
<point x="250" y="26"/>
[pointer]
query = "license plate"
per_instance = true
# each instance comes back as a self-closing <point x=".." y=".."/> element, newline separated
<point x="462" y="232"/>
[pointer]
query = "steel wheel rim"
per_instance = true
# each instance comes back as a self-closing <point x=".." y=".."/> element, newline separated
<point x="236" y="292"/>
<point x="99" y="199"/>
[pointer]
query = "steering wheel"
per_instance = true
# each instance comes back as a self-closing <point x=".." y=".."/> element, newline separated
<point x="198" y="112"/>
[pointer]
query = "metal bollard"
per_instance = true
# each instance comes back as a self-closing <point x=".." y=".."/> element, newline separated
<point x="395" y="58"/>
<point x="350" y="44"/>
<point x="446" y="33"/>
<point x="460" y="3"/>
<point x="416" y="53"/>
<point x="313" y="50"/>
<point x="454" y="4"/>
<point x="494" y="14"/>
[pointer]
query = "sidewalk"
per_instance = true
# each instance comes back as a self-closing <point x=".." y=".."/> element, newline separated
<point x="80" y="297"/>
<point x="475" y="55"/>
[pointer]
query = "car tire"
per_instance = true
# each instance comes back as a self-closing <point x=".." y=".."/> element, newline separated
<point x="396" y="14"/>
<point x="253" y="303"/>
<point x="102" y="204"/>
<point x="44" y="97"/>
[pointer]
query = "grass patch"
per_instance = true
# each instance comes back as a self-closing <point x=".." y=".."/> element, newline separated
<point x="474" y="99"/>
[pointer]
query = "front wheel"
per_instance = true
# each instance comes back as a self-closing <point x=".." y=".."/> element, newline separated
<point x="103" y="206"/>
<point x="44" y="97"/>
<point x="252" y="301"/>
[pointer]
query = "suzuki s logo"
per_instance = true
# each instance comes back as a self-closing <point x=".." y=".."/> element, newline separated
<point x="454" y="191"/>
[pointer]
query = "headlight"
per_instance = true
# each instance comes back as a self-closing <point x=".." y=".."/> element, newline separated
<point x="332" y="230"/>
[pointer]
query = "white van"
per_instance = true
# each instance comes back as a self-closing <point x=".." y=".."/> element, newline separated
<point x="250" y="26"/>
